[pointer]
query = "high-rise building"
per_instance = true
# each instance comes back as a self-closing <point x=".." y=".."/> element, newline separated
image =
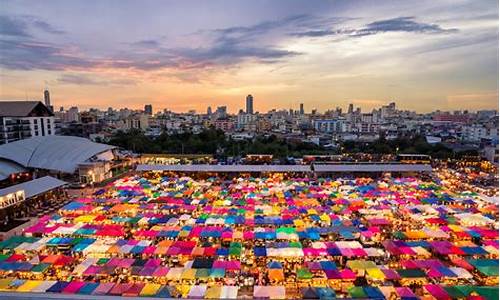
<point x="221" y="112"/>
<point x="351" y="108"/>
<point x="46" y="99"/>
<point x="148" y="109"/>
<point x="209" y="110"/>
<point x="301" y="108"/>
<point x="72" y="115"/>
<point x="249" y="104"/>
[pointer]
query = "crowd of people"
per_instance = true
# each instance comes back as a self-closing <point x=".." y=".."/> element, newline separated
<point x="275" y="236"/>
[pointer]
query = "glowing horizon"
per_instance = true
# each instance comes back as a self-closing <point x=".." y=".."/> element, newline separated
<point x="182" y="56"/>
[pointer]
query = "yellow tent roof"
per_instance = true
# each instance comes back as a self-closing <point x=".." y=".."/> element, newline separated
<point x="84" y="219"/>
<point x="298" y="223"/>
<point x="375" y="273"/>
<point x="213" y="292"/>
<point x="189" y="274"/>
<point x="361" y="264"/>
<point x="150" y="289"/>
<point x="28" y="285"/>
<point x="4" y="283"/>
<point x="325" y="217"/>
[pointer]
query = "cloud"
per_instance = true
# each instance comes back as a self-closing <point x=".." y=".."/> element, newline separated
<point x="13" y="27"/>
<point x="227" y="52"/>
<point x="44" y="26"/>
<point x="263" y="27"/>
<point x="81" y="79"/>
<point x="30" y="55"/>
<point x="401" y="24"/>
<point x="234" y="44"/>
<point x="321" y="33"/>
<point x="146" y="44"/>
<point x="21" y="26"/>
<point x="225" y="46"/>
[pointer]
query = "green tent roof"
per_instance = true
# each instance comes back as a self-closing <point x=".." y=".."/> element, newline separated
<point x="357" y="292"/>
<point x="304" y="273"/>
<point x="411" y="273"/>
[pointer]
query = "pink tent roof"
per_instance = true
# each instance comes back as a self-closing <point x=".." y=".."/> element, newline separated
<point x="347" y="274"/>
<point x="390" y="274"/>
<point x="359" y="252"/>
<point x="233" y="265"/>
<point x="149" y="250"/>
<point x="92" y="270"/>
<point x="405" y="292"/>
<point x="437" y="291"/>
<point x="73" y="287"/>
<point x="126" y="262"/>
<point x="103" y="288"/>
<point x="114" y="262"/>
<point x="160" y="271"/>
<point x="153" y="263"/>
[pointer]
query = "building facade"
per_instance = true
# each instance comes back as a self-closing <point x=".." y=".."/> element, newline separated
<point x="24" y="119"/>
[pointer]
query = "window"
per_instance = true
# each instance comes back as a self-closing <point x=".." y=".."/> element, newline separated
<point x="35" y="121"/>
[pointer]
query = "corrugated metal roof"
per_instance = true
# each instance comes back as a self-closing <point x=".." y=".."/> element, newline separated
<point x="59" y="153"/>
<point x="34" y="187"/>
<point x="225" y="168"/>
<point x="290" y="168"/>
<point x="9" y="167"/>
<point x="373" y="168"/>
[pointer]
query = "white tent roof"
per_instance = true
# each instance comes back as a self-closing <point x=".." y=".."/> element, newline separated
<point x="59" y="153"/>
<point x="34" y="187"/>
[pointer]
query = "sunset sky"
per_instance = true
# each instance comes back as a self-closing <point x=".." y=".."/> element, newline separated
<point x="182" y="55"/>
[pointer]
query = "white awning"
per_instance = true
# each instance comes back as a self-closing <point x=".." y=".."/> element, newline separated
<point x="34" y="187"/>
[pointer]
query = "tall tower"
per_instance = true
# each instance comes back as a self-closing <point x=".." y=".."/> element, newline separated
<point x="249" y="104"/>
<point x="351" y="109"/>
<point x="46" y="98"/>
<point x="301" y="108"/>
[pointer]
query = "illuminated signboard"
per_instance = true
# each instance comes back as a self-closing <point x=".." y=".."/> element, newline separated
<point x="11" y="199"/>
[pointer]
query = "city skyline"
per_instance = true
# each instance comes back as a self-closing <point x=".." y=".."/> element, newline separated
<point x="299" y="108"/>
<point x="183" y="56"/>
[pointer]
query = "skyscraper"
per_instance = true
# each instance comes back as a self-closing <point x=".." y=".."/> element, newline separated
<point x="209" y="110"/>
<point x="249" y="104"/>
<point x="351" y="109"/>
<point x="148" y="109"/>
<point x="46" y="98"/>
<point x="301" y="108"/>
